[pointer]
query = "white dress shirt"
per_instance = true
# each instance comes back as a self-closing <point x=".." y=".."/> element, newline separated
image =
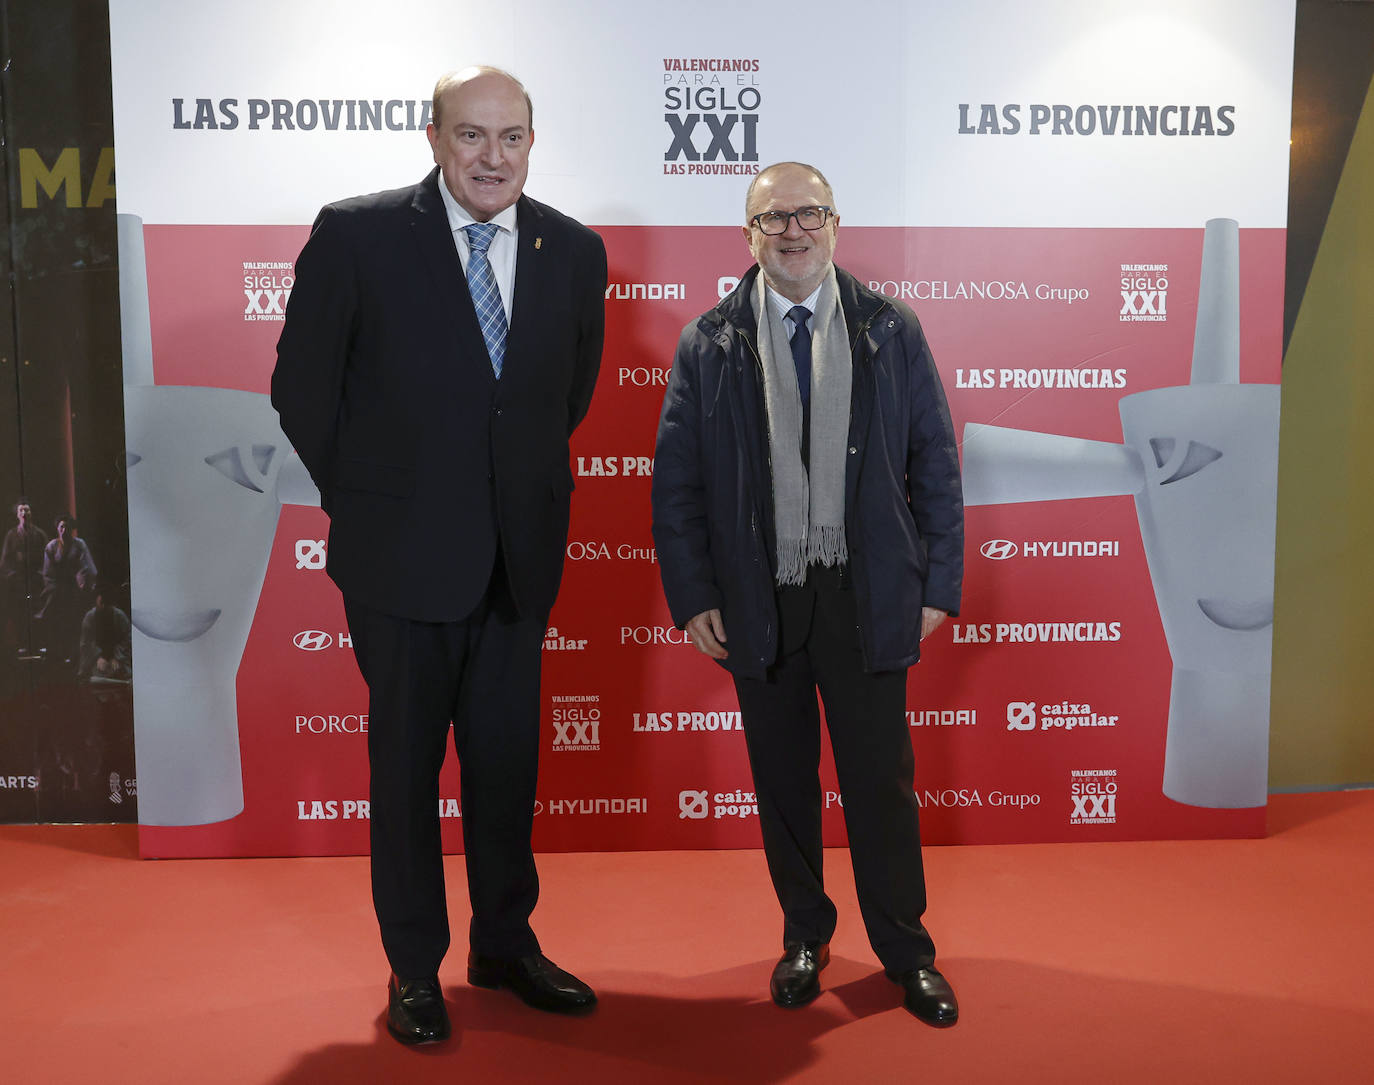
<point x="501" y="252"/>
<point x="783" y="306"/>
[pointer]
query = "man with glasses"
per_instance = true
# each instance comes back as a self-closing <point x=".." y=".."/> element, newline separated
<point x="808" y="518"/>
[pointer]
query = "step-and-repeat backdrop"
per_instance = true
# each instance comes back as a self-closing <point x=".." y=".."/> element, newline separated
<point x="1084" y="202"/>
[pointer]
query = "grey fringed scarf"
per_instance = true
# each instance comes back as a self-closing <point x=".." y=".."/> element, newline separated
<point x="808" y="511"/>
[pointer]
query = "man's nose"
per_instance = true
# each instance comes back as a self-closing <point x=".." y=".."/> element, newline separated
<point x="794" y="229"/>
<point x="491" y="152"/>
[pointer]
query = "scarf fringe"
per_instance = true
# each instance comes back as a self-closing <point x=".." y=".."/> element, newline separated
<point x="825" y="545"/>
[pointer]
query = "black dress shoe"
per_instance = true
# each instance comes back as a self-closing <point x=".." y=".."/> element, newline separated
<point x="797" y="976"/>
<point x="929" y="996"/>
<point x="535" y="979"/>
<point x="415" y="1012"/>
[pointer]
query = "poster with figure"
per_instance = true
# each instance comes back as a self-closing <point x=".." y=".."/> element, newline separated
<point x="1083" y="203"/>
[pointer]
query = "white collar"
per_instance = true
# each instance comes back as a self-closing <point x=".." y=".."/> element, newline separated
<point x="459" y="218"/>
<point x="784" y="305"/>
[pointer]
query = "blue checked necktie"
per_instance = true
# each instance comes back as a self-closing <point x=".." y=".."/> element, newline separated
<point x="486" y="299"/>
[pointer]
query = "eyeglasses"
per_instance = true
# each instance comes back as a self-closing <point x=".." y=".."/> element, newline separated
<point x="775" y="222"/>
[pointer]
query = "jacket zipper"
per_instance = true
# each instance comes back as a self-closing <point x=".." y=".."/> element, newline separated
<point x="768" y="451"/>
<point x="861" y="610"/>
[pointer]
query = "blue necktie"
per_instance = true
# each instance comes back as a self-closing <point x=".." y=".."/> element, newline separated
<point x="801" y="351"/>
<point x="486" y="299"/>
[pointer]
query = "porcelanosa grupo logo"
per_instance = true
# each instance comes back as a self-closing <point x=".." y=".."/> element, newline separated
<point x="266" y="289"/>
<point x="711" y="108"/>
<point x="602" y="550"/>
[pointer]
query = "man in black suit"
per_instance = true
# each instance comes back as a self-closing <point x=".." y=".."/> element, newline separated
<point x="441" y="344"/>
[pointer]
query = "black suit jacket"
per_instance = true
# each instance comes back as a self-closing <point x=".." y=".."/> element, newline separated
<point x="422" y="457"/>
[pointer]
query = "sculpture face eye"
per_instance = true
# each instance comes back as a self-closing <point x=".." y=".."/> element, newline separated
<point x="1195" y="457"/>
<point x="251" y="475"/>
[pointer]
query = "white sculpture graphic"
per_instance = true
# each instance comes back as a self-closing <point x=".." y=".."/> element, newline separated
<point x="1201" y="461"/>
<point x="209" y="470"/>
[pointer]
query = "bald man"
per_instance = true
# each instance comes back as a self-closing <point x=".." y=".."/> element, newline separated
<point x="441" y="344"/>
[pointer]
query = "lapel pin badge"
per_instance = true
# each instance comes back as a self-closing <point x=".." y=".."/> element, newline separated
<point x="538" y="242"/>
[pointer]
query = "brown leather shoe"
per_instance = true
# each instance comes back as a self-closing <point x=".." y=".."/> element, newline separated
<point x="535" y="979"/>
<point x="415" y="1011"/>
<point x="797" y="976"/>
<point x="929" y="996"/>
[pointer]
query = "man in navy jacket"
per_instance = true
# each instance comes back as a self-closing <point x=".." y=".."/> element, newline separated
<point x="808" y="519"/>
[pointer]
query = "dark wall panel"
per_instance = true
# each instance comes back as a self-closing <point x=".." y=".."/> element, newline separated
<point x="66" y="742"/>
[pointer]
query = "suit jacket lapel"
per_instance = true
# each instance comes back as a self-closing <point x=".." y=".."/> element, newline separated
<point x="444" y="270"/>
<point x="531" y="275"/>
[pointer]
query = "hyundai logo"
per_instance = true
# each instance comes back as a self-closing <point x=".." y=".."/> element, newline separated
<point x="998" y="549"/>
<point x="312" y="640"/>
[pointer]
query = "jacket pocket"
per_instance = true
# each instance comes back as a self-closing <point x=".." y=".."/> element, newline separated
<point x="376" y="478"/>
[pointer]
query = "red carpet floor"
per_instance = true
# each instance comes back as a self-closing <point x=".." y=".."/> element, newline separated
<point x="1200" y="961"/>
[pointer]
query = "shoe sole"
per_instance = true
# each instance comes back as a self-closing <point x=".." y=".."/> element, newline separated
<point x="484" y="979"/>
<point x="491" y="982"/>
<point x="415" y="1041"/>
<point x="797" y="1003"/>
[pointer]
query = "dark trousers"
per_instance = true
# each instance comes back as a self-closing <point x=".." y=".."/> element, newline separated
<point x="866" y="718"/>
<point x="482" y="675"/>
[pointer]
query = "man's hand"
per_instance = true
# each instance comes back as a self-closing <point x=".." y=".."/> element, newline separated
<point x="930" y="620"/>
<point x="708" y="634"/>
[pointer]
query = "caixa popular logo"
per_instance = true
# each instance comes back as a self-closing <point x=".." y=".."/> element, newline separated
<point x="692" y="804"/>
<point x="699" y="805"/>
<point x="310" y="554"/>
<point x="317" y="640"/>
<point x="554" y="641"/>
<point x="1062" y="716"/>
